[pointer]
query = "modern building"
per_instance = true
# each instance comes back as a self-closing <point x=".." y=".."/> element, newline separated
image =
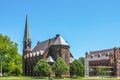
<point x="103" y="62"/>
<point x="48" y="50"/>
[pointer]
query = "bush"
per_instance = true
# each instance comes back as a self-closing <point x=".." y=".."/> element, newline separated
<point x="60" y="67"/>
<point x="77" y="68"/>
<point x="42" y="68"/>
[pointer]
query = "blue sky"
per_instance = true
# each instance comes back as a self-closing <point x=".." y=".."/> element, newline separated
<point x="87" y="25"/>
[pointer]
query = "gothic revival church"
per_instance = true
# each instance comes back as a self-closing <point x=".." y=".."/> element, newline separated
<point x="49" y="50"/>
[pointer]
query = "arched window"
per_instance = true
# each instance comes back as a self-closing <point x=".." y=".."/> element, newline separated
<point x="65" y="57"/>
<point x="107" y="54"/>
<point x="92" y="56"/>
<point x="99" y="55"/>
<point x="58" y="55"/>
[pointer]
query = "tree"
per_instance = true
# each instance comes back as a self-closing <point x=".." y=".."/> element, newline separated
<point x="77" y="68"/>
<point x="82" y="59"/>
<point x="42" y="68"/>
<point x="17" y="69"/>
<point x="8" y="54"/>
<point x="60" y="67"/>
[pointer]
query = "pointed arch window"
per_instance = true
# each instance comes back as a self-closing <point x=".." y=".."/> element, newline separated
<point x="58" y="55"/>
<point x="65" y="57"/>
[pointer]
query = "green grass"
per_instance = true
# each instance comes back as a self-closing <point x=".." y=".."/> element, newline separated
<point x="37" y="78"/>
<point x="20" y="78"/>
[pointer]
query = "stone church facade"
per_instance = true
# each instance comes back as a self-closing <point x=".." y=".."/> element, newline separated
<point x="48" y="50"/>
<point x="103" y="62"/>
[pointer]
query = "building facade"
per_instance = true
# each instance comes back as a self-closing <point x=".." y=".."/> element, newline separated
<point x="48" y="50"/>
<point x="103" y="62"/>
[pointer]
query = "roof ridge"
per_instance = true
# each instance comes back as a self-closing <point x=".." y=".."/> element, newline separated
<point x="46" y="40"/>
<point x="97" y="51"/>
<point x="60" y="41"/>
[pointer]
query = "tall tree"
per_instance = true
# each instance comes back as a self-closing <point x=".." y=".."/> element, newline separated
<point x="17" y="68"/>
<point x="42" y="68"/>
<point x="82" y="59"/>
<point x="77" y="68"/>
<point x="8" y="54"/>
<point x="60" y="67"/>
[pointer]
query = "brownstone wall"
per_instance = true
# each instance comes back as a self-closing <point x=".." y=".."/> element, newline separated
<point x="62" y="50"/>
<point x="117" y="61"/>
<point x="29" y="63"/>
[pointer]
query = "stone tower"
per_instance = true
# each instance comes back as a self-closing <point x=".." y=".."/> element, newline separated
<point x="26" y="45"/>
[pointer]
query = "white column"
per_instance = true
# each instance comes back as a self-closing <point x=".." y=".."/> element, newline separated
<point x="86" y="67"/>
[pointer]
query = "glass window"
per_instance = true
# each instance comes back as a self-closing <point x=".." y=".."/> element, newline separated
<point x="107" y="54"/>
<point x="65" y="57"/>
<point x="99" y="55"/>
<point x="58" y="55"/>
<point x="92" y="56"/>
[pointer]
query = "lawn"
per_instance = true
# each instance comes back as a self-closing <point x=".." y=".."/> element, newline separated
<point x="37" y="78"/>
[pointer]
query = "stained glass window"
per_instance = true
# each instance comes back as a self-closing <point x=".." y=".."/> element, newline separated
<point x="65" y="57"/>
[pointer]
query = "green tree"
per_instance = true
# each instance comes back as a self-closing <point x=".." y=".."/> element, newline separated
<point x="82" y="59"/>
<point x="60" y="67"/>
<point x="77" y="68"/>
<point x="17" y="67"/>
<point x="42" y="68"/>
<point x="8" y="54"/>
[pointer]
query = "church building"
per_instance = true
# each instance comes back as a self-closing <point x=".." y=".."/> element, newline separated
<point x="48" y="50"/>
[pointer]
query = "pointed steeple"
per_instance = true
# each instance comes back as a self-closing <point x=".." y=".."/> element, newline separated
<point x="26" y="39"/>
<point x="26" y="33"/>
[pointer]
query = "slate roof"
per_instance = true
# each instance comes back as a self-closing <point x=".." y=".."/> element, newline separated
<point x="26" y="32"/>
<point x="71" y="59"/>
<point x="44" y="45"/>
<point x="50" y="59"/>
<point x="60" y="41"/>
<point x="100" y="54"/>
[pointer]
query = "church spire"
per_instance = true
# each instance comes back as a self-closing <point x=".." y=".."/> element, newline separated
<point x="26" y="39"/>
<point x="26" y="33"/>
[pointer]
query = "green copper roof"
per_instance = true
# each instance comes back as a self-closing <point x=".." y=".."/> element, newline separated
<point x="26" y="33"/>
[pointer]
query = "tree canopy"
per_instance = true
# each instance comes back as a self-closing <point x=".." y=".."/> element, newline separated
<point x="42" y="68"/>
<point x="60" y="67"/>
<point x="77" y="68"/>
<point x="9" y="56"/>
<point x="82" y="59"/>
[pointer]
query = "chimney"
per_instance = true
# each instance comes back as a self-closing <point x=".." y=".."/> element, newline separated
<point x="57" y="35"/>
